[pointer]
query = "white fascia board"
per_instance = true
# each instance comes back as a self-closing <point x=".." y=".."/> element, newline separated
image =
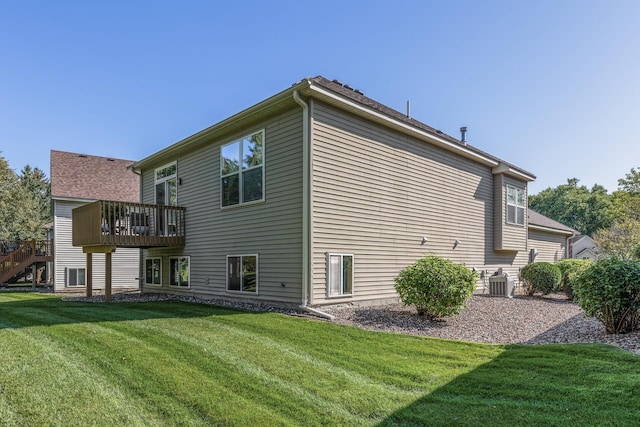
<point x="506" y="169"/>
<point x="447" y="145"/>
<point x="550" y="230"/>
<point x="72" y="199"/>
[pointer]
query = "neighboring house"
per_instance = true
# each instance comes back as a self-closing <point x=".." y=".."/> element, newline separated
<point x="319" y="195"/>
<point x="583" y="247"/>
<point x="549" y="240"/>
<point x="78" y="179"/>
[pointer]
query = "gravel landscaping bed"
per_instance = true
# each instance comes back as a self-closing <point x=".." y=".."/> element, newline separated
<point x="520" y="320"/>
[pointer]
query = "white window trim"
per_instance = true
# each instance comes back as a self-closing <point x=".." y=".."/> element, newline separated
<point x="68" y="274"/>
<point x="145" y="272"/>
<point x="178" y="258"/>
<point x="257" y="292"/>
<point x="507" y="204"/>
<point x="328" y="273"/>
<point x="156" y="181"/>
<point x="264" y="161"/>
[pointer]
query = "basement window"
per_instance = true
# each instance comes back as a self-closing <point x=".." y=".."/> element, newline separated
<point x="339" y="275"/>
<point x="179" y="271"/>
<point x="242" y="273"/>
<point x="76" y="277"/>
<point x="153" y="271"/>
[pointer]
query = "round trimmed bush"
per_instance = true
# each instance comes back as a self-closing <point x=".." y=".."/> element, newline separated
<point x="436" y="287"/>
<point x="609" y="290"/>
<point x="540" y="277"/>
<point x="571" y="269"/>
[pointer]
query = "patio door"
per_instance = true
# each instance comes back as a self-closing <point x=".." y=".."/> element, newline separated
<point x="166" y="194"/>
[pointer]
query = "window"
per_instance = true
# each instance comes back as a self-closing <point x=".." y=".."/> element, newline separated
<point x="153" y="271"/>
<point x="515" y="205"/>
<point x="339" y="275"/>
<point x="242" y="170"/>
<point x="242" y="273"/>
<point x="166" y="194"/>
<point x="76" y="277"/>
<point x="179" y="271"/>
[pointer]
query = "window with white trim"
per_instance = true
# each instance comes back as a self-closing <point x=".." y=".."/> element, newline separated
<point x="339" y="274"/>
<point x="242" y="273"/>
<point x="242" y="170"/>
<point x="153" y="271"/>
<point x="76" y="277"/>
<point x="515" y="205"/>
<point x="179" y="271"/>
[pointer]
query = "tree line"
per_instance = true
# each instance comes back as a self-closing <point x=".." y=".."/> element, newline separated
<point x="25" y="203"/>
<point x="612" y="220"/>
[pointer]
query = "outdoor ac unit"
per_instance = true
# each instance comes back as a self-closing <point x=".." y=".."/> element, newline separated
<point x="501" y="286"/>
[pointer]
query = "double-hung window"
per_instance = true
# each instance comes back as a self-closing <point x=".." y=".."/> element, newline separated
<point x="242" y="273"/>
<point x="339" y="275"/>
<point x="242" y="170"/>
<point x="179" y="271"/>
<point x="515" y="205"/>
<point x="153" y="271"/>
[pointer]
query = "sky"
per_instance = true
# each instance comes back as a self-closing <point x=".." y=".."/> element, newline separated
<point x="551" y="86"/>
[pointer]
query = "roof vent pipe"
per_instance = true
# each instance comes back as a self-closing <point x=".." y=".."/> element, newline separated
<point x="463" y="135"/>
<point x="408" y="108"/>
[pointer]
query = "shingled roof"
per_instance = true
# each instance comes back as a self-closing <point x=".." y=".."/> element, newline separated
<point x="540" y="220"/>
<point x="81" y="176"/>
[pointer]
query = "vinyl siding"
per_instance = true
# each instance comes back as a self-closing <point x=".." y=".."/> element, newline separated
<point x="377" y="192"/>
<point x="272" y="229"/>
<point x="551" y="247"/>
<point x="125" y="261"/>
<point x="508" y="237"/>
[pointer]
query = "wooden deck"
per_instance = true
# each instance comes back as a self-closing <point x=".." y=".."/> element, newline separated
<point x="107" y="223"/>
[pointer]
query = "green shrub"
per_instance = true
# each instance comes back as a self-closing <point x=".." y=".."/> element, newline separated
<point x="435" y="286"/>
<point x="571" y="269"/>
<point x="541" y="277"/>
<point x="609" y="290"/>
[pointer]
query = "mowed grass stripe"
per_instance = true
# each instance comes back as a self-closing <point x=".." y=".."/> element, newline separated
<point x="175" y="378"/>
<point x="273" y="366"/>
<point x="51" y="385"/>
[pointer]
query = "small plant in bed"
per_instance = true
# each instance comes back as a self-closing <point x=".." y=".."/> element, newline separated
<point x="436" y="287"/>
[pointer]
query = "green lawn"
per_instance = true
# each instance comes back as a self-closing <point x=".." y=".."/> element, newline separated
<point x="168" y="363"/>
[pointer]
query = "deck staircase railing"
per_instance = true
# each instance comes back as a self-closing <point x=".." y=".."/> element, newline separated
<point x="21" y="255"/>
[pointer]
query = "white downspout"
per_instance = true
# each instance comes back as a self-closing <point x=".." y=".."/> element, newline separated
<point x="306" y="209"/>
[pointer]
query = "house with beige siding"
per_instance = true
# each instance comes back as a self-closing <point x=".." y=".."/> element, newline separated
<point x="77" y="180"/>
<point x="548" y="240"/>
<point x="317" y="195"/>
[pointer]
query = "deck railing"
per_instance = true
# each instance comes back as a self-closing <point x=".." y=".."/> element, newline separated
<point x="126" y="224"/>
<point x="17" y="255"/>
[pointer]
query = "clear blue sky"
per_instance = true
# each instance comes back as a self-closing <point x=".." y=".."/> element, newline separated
<point x="552" y="86"/>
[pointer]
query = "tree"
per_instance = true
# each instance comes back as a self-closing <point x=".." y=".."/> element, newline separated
<point x="583" y="209"/>
<point x="24" y="203"/>
<point x="626" y="201"/>
<point x="620" y="240"/>
<point x="8" y="182"/>
<point x="631" y="182"/>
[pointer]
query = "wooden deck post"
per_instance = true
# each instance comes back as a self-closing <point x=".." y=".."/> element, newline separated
<point x="107" y="251"/>
<point x="34" y="278"/>
<point x="89" y="274"/>
<point x="107" y="277"/>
